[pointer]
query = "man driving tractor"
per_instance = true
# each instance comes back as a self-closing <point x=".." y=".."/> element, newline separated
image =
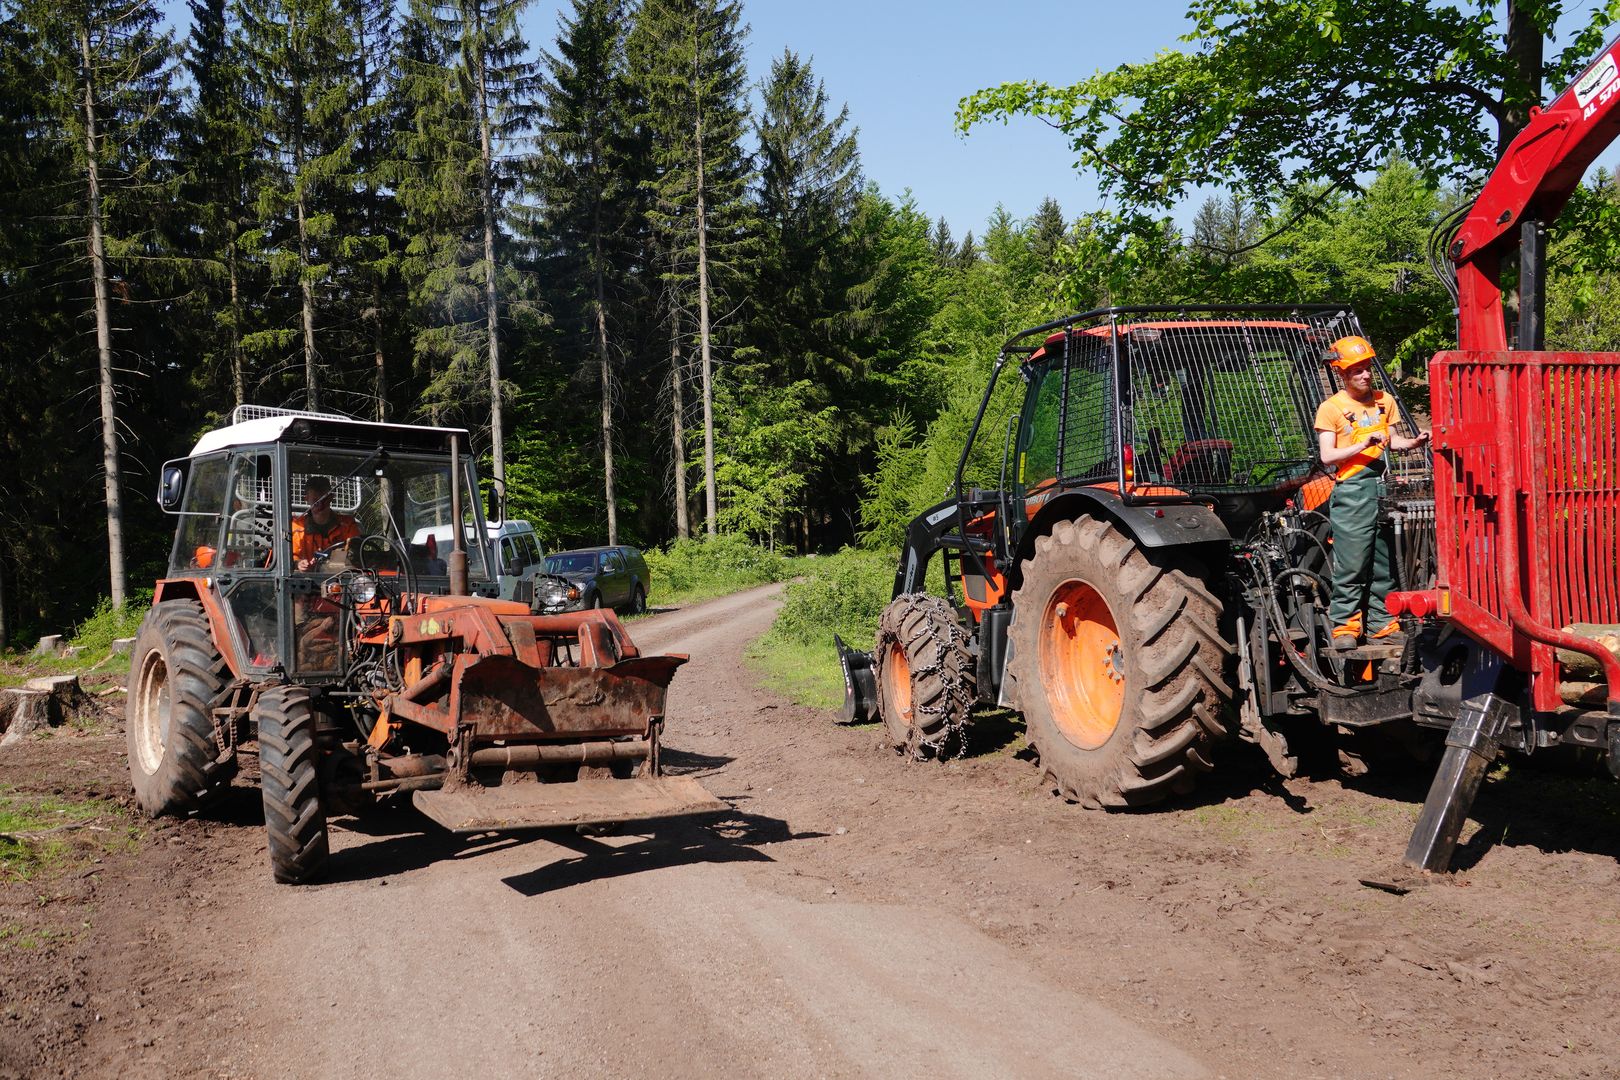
<point x="1353" y="432"/>
<point x="319" y="528"/>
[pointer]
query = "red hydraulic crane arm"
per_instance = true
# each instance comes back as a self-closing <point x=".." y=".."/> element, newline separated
<point x="1531" y="183"/>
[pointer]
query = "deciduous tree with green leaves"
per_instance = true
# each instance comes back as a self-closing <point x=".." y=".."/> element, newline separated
<point x="1296" y="102"/>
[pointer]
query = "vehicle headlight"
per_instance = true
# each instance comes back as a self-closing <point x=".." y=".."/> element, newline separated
<point x="573" y="592"/>
<point x="363" y="589"/>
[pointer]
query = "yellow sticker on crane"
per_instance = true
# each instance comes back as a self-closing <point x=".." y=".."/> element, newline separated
<point x="429" y="628"/>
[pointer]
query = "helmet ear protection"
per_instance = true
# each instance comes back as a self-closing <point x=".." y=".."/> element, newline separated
<point x="1347" y="352"/>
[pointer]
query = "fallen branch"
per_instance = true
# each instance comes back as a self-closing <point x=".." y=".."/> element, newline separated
<point x="24" y="837"/>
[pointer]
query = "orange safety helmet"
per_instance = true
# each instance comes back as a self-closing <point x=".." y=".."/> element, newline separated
<point x="1350" y="351"/>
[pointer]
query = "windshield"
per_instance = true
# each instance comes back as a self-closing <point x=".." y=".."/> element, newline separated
<point x="339" y="502"/>
<point x="583" y="562"/>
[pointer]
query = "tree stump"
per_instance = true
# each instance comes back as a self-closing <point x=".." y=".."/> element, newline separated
<point x="23" y="712"/>
<point x="39" y="703"/>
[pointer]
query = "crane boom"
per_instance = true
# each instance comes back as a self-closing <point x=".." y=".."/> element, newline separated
<point x="1529" y="186"/>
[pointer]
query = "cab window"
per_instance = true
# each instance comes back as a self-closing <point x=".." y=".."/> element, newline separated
<point x="196" y="545"/>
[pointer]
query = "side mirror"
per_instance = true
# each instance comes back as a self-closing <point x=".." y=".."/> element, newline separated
<point x="171" y="488"/>
<point x="496" y="510"/>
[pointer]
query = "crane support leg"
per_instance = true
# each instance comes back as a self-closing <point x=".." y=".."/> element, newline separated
<point x="1471" y="746"/>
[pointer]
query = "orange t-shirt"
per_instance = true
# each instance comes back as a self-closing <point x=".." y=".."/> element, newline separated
<point x="1351" y="421"/>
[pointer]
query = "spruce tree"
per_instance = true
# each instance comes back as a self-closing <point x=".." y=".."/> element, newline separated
<point x="800" y="333"/>
<point x="584" y="176"/>
<point x="106" y="71"/>
<point x="218" y="143"/>
<point x="433" y="167"/>
<point x="687" y="64"/>
<point x="296" y="53"/>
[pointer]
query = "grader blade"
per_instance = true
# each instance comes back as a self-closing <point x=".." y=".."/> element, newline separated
<point x="517" y="807"/>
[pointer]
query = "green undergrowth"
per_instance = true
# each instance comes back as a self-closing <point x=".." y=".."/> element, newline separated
<point x="690" y="571"/>
<point x="43" y="834"/>
<point x="93" y="638"/>
<point x="841" y="594"/>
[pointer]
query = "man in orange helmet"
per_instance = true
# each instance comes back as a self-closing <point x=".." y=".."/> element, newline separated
<point x="1353" y="433"/>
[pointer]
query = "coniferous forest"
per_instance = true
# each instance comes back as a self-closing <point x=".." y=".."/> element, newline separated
<point x="654" y="283"/>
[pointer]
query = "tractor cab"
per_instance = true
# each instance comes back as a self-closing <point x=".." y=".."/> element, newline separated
<point x="287" y="519"/>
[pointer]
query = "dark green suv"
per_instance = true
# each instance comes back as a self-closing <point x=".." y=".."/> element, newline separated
<point x="611" y="577"/>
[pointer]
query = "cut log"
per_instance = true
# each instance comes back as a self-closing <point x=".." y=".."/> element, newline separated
<point x="49" y="645"/>
<point x="1579" y="666"/>
<point x="122" y="646"/>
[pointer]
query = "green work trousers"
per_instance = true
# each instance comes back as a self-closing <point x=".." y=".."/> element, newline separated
<point x="1363" y="570"/>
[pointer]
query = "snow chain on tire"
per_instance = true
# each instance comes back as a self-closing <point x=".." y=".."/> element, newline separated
<point x="289" y="778"/>
<point x="177" y="675"/>
<point x="921" y="645"/>
<point x="1170" y="658"/>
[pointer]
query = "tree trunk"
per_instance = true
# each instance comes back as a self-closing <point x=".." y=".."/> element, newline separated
<point x="98" y="276"/>
<point x="5" y="622"/>
<point x="238" y="375"/>
<point x="603" y="359"/>
<point x="1524" y="45"/>
<point x="677" y="389"/>
<point x="492" y="309"/>
<point x="312" y="388"/>
<point x="379" y="361"/>
<point x="711" y="511"/>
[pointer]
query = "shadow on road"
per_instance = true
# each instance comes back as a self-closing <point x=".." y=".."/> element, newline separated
<point x="689" y="763"/>
<point x="732" y="838"/>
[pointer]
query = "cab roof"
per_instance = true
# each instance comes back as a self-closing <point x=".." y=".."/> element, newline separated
<point x="1054" y="340"/>
<point x="254" y="425"/>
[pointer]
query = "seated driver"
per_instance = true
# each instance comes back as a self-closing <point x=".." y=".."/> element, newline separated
<point x="319" y="527"/>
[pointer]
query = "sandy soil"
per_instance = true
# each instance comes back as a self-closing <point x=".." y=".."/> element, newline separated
<point x="855" y="915"/>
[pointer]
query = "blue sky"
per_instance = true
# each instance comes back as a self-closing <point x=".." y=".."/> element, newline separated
<point x="901" y="66"/>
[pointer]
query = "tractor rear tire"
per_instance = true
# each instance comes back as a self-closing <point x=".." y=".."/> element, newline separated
<point x="176" y="676"/>
<point x="289" y="777"/>
<point x="926" y="671"/>
<point x="1119" y="666"/>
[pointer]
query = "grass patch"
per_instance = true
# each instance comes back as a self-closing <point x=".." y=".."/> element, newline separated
<point x="690" y="571"/>
<point x="93" y="638"/>
<point x="19" y="936"/>
<point x="806" y="674"/>
<point x="42" y="834"/>
<point x="836" y="594"/>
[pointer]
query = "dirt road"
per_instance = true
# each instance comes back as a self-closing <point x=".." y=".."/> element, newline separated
<point x="855" y="916"/>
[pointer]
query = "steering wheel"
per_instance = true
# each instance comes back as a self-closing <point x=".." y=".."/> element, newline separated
<point x="1207" y="461"/>
<point x="389" y="560"/>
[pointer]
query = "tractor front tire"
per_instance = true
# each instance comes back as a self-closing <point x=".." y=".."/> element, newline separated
<point x="289" y="777"/>
<point x="1119" y="663"/>
<point x="176" y="675"/>
<point x="926" y="671"/>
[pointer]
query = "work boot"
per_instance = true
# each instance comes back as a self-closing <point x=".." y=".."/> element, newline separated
<point x="1389" y="634"/>
<point x="1346" y="637"/>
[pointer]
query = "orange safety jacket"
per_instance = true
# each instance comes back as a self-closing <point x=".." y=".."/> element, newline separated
<point x="309" y="536"/>
<point x="1350" y="421"/>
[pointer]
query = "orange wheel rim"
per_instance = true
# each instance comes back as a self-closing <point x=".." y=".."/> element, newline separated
<point x="1082" y="664"/>
<point x="897" y="684"/>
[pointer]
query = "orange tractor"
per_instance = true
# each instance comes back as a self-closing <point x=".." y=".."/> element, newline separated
<point x="331" y="609"/>
<point x="1150" y="573"/>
